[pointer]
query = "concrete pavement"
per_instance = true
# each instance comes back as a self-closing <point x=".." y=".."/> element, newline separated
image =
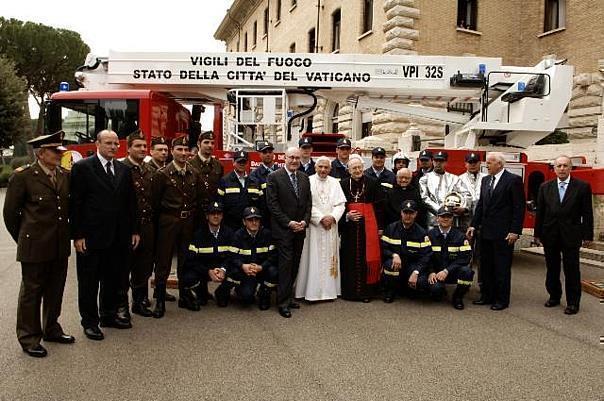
<point x="408" y="350"/>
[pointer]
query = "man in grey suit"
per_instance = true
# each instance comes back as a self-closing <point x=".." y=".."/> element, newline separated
<point x="564" y="223"/>
<point x="289" y="202"/>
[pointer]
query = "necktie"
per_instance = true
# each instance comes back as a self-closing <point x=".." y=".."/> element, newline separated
<point x="491" y="186"/>
<point x="110" y="172"/>
<point x="53" y="179"/>
<point x="295" y="183"/>
<point x="562" y="190"/>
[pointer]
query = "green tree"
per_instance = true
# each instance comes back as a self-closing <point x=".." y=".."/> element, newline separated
<point x="43" y="55"/>
<point x="13" y="106"/>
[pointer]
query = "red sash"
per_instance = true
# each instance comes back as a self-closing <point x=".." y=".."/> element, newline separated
<point x="372" y="243"/>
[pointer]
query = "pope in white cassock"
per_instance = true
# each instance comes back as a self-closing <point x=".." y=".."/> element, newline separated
<point x="319" y="274"/>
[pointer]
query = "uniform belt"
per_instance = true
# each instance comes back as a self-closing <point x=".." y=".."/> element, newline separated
<point x="183" y="214"/>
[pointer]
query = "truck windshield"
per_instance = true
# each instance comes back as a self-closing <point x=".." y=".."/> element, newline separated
<point x="81" y="120"/>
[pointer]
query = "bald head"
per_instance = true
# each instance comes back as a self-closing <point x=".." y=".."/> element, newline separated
<point x="107" y="143"/>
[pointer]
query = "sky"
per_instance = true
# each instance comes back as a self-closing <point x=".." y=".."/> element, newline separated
<point x="184" y="25"/>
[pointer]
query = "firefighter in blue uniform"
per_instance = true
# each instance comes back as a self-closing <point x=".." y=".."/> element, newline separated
<point x="253" y="263"/>
<point x="451" y="259"/>
<point x="406" y="252"/>
<point x="236" y="191"/>
<point x="207" y="258"/>
<point x="379" y="172"/>
<point x="339" y="166"/>
<point x="259" y="175"/>
<point x="307" y="164"/>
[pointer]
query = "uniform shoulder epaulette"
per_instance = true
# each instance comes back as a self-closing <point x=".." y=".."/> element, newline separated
<point x="22" y="168"/>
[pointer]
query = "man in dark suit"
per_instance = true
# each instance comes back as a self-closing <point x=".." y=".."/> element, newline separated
<point x="103" y="223"/>
<point x="36" y="216"/>
<point x="564" y="223"/>
<point x="499" y="215"/>
<point x="289" y="202"/>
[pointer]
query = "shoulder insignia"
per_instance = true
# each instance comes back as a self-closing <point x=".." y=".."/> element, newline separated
<point x="22" y="168"/>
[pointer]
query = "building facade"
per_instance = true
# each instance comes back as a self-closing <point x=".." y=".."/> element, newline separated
<point x="521" y="32"/>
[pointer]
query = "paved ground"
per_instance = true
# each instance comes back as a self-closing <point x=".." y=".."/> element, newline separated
<point x="409" y="350"/>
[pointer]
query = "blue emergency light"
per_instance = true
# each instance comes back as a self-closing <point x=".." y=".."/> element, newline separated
<point x="64" y="87"/>
<point x="482" y="69"/>
<point x="521" y="86"/>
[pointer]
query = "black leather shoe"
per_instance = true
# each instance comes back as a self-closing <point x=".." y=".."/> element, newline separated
<point x="263" y="305"/>
<point x="37" y="352"/>
<point x="285" y="312"/>
<point x="94" y="333"/>
<point x="498" y="307"/>
<point x="571" y="310"/>
<point x="366" y="300"/>
<point x="116" y="324"/>
<point x="551" y="303"/>
<point x="458" y="303"/>
<point x="160" y="310"/>
<point x="141" y="310"/>
<point x="481" y="301"/>
<point x="62" y="339"/>
<point x="123" y="314"/>
<point x="146" y="302"/>
<point x="388" y="299"/>
<point x="293" y="305"/>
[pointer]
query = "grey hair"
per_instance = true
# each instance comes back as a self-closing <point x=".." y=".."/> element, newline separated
<point x="323" y="159"/>
<point x="570" y="161"/>
<point x="497" y="156"/>
<point x="291" y="150"/>
<point x="403" y="170"/>
<point x="356" y="157"/>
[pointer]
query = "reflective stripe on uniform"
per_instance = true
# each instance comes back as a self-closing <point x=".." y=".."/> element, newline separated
<point x="254" y="191"/>
<point x="465" y="248"/>
<point x="270" y="285"/>
<point x="224" y="248"/>
<point x="245" y="252"/>
<point x="391" y="273"/>
<point x="387" y="185"/>
<point x="263" y="249"/>
<point x="193" y="248"/>
<point x="426" y="244"/>
<point x="391" y="240"/>
<point x="263" y="186"/>
<point x="436" y="248"/>
<point x="453" y="249"/>
<point x="232" y="190"/>
<point x="220" y="192"/>
<point x="412" y="244"/>
<point x="234" y="249"/>
<point x="464" y="282"/>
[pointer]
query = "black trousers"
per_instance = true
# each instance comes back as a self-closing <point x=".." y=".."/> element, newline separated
<point x="556" y="254"/>
<point x="289" y="252"/>
<point x="104" y="270"/>
<point x="42" y="285"/>
<point x="496" y="270"/>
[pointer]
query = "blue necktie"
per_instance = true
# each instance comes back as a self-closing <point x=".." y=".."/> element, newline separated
<point x="562" y="190"/>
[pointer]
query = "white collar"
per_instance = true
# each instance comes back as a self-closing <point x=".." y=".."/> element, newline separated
<point x="444" y="232"/>
<point x="378" y="172"/>
<point x="566" y="181"/>
<point x="499" y="174"/>
<point x="103" y="160"/>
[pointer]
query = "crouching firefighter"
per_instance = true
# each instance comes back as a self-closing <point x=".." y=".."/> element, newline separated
<point x="406" y="253"/>
<point x="451" y="259"/>
<point x="253" y="263"/>
<point x="207" y="259"/>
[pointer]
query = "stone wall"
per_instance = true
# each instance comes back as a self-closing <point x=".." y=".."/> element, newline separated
<point x="586" y="105"/>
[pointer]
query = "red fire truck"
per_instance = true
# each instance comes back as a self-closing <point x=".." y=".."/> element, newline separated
<point x="264" y="96"/>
